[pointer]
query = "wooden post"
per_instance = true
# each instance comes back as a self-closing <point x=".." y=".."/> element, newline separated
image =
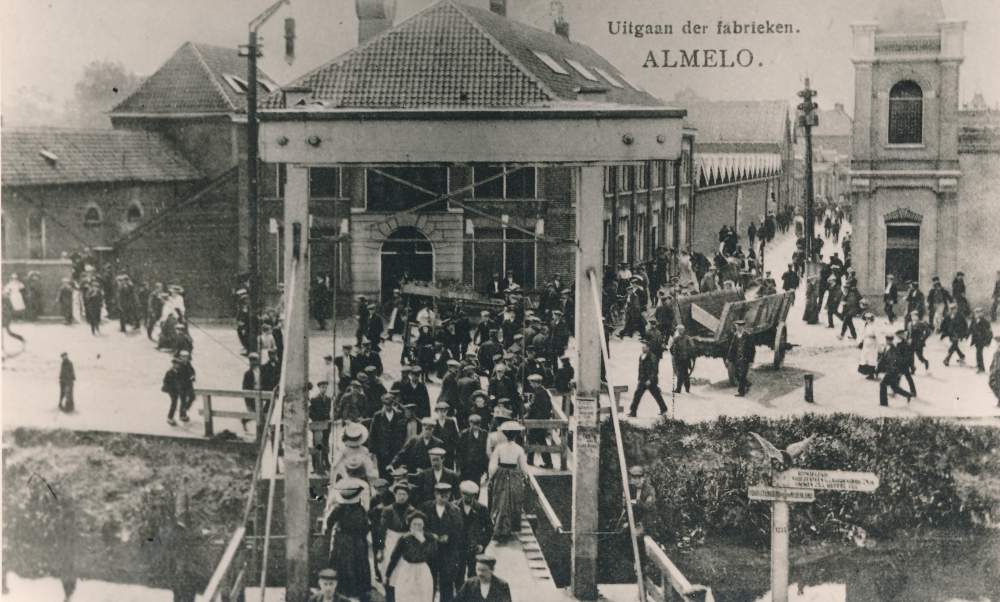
<point x="206" y="404"/>
<point x="587" y="440"/>
<point x="296" y="399"/>
<point x="809" y="388"/>
<point x="779" y="551"/>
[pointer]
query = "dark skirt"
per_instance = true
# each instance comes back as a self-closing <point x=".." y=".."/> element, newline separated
<point x="349" y="557"/>
<point x="506" y="501"/>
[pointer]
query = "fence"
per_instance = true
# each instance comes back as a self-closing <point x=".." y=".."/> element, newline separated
<point x="210" y="414"/>
<point x="673" y="586"/>
<point x="558" y="427"/>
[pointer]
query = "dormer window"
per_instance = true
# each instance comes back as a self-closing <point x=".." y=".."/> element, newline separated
<point x="632" y="83"/>
<point x="550" y="62"/>
<point x="92" y="215"/>
<point x="906" y="102"/>
<point x="581" y="70"/>
<point x="611" y="80"/>
<point x="133" y="214"/>
<point x="238" y="84"/>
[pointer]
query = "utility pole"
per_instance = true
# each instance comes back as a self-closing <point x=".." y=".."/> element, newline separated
<point x="252" y="51"/>
<point x="807" y="119"/>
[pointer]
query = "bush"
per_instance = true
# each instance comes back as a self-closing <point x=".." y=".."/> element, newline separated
<point x="932" y="473"/>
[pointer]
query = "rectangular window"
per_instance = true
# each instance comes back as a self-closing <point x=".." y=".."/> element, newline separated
<point x="905" y="120"/>
<point x="498" y="250"/>
<point x="610" y="179"/>
<point x="627" y="180"/>
<point x="518" y="184"/>
<point x="641" y="177"/>
<point x="399" y="188"/>
<point x="36" y="236"/>
<point x="611" y="80"/>
<point x="272" y="180"/>
<point x="324" y="183"/>
<point x="581" y="70"/>
<point x="550" y="62"/>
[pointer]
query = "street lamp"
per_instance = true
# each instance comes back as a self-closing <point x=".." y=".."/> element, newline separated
<point x="252" y="51"/>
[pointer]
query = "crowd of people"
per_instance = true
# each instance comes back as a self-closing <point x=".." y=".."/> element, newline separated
<point x="407" y="471"/>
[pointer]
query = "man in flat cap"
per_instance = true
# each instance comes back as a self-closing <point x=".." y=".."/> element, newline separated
<point x="445" y="521"/>
<point x="388" y="433"/>
<point x="938" y="300"/>
<point x="477" y="526"/>
<point x="327" y="591"/>
<point x="258" y="378"/>
<point x="980" y="335"/>
<point x="320" y="407"/>
<point x="446" y="429"/>
<point x="538" y="404"/>
<point x="427" y="479"/>
<point x="485" y="586"/>
<point x="470" y="452"/>
<point x="344" y="365"/>
<point x="415" y="452"/>
<point x="740" y="355"/>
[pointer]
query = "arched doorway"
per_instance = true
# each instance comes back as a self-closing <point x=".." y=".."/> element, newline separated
<point x="406" y="251"/>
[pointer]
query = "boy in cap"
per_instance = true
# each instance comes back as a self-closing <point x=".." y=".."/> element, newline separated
<point x="741" y="355"/>
<point x="173" y="386"/>
<point x="477" y="525"/>
<point x="649" y="380"/>
<point x="980" y="335"/>
<point x="485" y="586"/>
<point x="446" y="429"/>
<point x="327" y="591"/>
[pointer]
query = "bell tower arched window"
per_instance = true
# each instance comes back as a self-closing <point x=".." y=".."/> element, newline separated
<point x="906" y="111"/>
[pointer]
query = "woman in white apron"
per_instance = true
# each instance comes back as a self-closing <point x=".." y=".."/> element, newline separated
<point x="869" y="347"/>
<point x="392" y="526"/>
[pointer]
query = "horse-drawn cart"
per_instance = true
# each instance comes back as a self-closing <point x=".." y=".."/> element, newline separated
<point x="710" y="318"/>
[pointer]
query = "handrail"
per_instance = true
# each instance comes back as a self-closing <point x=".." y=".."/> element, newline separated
<point x="669" y="573"/>
<point x="544" y="502"/>
<point x="227" y="559"/>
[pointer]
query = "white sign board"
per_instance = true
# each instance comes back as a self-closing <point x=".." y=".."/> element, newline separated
<point x="586" y="411"/>
<point x="780" y="494"/>
<point x="827" y="479"/>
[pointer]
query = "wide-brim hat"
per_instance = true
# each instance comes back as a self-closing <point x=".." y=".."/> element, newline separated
<point x="350" y="489"/>
<point x="511" y="426"/>
<point x="354" y="433"/>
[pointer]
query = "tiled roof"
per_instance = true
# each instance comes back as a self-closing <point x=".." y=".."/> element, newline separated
<point x="738" y="122"/>
<point x="77" y="156"/>
<point x="451" y="56"/>
<point x="833" y="123"/>
<point x="194" y="80"/>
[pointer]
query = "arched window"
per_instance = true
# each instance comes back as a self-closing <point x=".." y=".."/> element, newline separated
<point x="906" y="101"/>
<point x="92" y="215"/>
<point x="134" y="213"/>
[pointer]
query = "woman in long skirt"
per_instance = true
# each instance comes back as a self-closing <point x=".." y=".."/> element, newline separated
<point x="392" y="526"/>
<point x="508" y="465"/>
<point x="348" y="525"/>
<point x="869" y="347"/>
<point x="409" y="572"/>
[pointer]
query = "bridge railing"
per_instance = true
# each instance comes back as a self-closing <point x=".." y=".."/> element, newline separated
<point x="211" y="413"/>
<point x="558" y="428"/>
<point x="672" y="586"/>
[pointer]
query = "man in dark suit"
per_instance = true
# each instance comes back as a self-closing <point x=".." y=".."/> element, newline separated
<point x="465" y="387"/>
<point x="508" y="282"/>
<point x="502" y="386"/>
<point x="890" y="297"/>
<point x="539" y="408"/>
<point x="892" y="366"/>
<point x="449" y="384"/>
<point x="344" y="367"/>
<point x="413" y="392"/>
<point x="445" y="521"/>
<point x="426" y="480"/>
<point x="367" y="358"/>
<point x="477" y="526"/>
<point x="560" y="336"/>
<point x="446" y="429"/>
<point x="495" y="288"/>
<point x="319" y="411"/>
<point x="681" y="353"/>
<point x="415" y="452"/>
<point x="258" y="378"/>
<point x="741" y="355"/>
<point x="485" y="586"/>
<point x="470" y="452"/>
<point x="387" y="434"/>
<point x="649" y="380"/>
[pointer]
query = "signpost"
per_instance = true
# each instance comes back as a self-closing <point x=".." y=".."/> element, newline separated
<point x="799" y="485"/>
<point x="838" y="480"/>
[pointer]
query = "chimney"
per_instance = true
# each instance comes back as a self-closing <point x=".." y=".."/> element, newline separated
<point x="374" y="17"/>
<point x="838" y="106"/>
<point x="562" y="28"/>
<point x="499" y="7"/>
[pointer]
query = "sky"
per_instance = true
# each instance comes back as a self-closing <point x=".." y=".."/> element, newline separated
<point x="45" y="44"/>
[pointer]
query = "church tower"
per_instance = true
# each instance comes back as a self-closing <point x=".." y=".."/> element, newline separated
<point x="905" y="163"/>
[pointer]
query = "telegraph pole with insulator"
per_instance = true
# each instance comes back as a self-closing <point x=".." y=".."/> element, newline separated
<point x="807" y="118"/>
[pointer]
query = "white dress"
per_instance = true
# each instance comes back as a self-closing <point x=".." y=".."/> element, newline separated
<point x="869" y="349"/>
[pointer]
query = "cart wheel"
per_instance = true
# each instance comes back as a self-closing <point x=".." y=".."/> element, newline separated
<point x="731" y="369"/>
<point x="780" y="341"/>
